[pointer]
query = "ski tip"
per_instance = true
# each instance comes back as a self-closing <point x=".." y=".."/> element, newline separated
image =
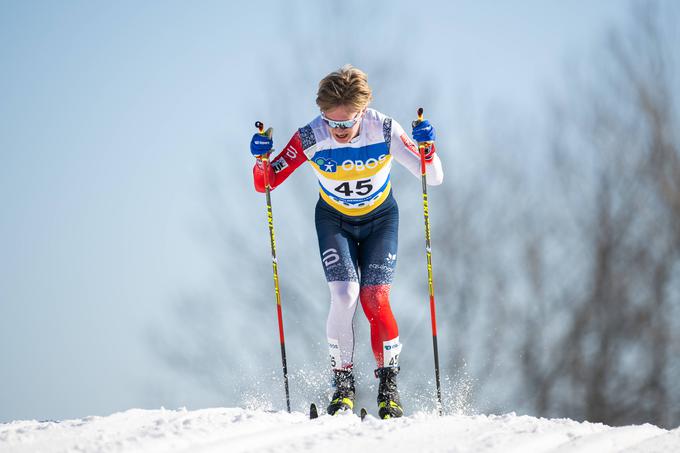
<point x="363" y="413"/>
<point x="313" y="412"/>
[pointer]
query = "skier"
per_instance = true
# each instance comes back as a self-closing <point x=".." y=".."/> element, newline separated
<point x="350" y="147"/>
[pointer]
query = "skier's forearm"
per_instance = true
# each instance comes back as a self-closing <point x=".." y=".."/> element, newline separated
<point x="434" y="171"/>
<point x="281" y="166"/>
<point x="406" y="153"/>
<point x="258" y="177"/>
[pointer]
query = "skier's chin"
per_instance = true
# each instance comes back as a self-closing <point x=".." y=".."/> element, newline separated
<point x="342" y="138"/>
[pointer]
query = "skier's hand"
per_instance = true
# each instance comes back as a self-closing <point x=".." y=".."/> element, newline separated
<point x="261" y="144"/>
<point x="424" y="132"/>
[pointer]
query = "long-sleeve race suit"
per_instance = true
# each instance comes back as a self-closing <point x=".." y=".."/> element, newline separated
<point x="357" y="221"/>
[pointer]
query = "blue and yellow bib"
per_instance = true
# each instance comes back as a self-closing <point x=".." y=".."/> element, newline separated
<point x="354" y="178"/>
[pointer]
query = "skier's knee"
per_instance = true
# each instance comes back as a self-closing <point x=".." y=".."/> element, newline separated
<point x="344" y="293"/>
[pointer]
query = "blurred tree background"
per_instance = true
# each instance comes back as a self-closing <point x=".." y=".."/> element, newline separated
<point x="556" y="252"/>
<point x="601" y="335"/>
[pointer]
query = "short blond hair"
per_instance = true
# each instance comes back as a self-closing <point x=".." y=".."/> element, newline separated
<point x="347" y="86"/>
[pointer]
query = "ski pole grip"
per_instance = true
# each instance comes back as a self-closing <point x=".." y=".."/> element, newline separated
<point x="260" y="130"/>
<point x="420" y="118"/>
<point x="268" y="133"/>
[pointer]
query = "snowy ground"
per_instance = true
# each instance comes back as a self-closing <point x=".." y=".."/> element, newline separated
<point x="240" y="430"/>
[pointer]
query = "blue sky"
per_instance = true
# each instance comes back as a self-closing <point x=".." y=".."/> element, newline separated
<point x="112" y="114"/>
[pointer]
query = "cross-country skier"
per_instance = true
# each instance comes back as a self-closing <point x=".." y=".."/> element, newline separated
<point x="350" y="148"/>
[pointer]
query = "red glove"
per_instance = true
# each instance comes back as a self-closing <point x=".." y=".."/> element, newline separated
<point x="430" y="149"/>
<point x="258" y="176"/>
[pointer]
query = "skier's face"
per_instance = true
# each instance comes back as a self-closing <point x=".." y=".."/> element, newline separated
<point x="343" y="114"/>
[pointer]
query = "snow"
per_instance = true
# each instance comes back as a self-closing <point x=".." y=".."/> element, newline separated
<point x="245" y="430"/>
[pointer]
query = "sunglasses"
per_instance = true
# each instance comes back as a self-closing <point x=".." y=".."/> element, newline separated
<point x="341" y="124"/>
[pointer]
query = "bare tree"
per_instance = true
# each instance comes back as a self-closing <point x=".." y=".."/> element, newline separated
<point x="617" y="155"/>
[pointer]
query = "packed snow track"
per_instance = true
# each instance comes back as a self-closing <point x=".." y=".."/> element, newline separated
<point x="241" y="430"/>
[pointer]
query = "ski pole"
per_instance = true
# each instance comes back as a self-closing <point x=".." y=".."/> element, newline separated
<point x="270" y="219"/>
<point x="422" y="146"/>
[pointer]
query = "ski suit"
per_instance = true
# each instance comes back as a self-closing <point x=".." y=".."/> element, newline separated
<point x="357" y="221"/>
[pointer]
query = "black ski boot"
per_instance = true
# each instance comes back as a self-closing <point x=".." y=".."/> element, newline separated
<point x="389" y="405"/>
<point x="343" y="398"/>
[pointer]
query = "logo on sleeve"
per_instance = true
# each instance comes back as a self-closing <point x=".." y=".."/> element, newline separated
<point x="409" y="144"/>
<point x="279" y="164"/>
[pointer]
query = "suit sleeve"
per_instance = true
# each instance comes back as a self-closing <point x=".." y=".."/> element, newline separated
<point x="405" y="151"/>
<point x="281" y="166"/>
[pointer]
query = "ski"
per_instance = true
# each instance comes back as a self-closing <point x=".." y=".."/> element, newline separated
<point x="314" y="412"/>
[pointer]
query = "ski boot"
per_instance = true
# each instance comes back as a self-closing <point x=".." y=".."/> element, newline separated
<point x="389" y="405"/>
<point x="343" y="398"/>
